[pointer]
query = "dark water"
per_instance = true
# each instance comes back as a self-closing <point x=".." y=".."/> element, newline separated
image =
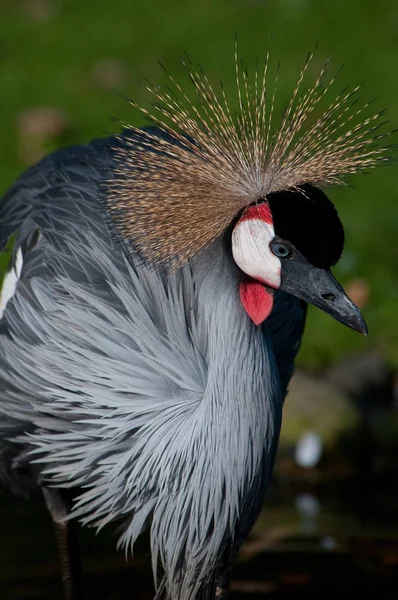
<point x="310" y="541"/>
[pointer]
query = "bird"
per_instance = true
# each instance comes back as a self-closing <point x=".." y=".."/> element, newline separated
<point x="155" y="304"/>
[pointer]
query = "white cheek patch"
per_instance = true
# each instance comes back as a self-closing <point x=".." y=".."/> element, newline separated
<point x="251" y="251"/>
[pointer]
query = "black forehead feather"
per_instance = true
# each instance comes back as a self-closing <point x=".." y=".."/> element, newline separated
<point x="307" y="218"/>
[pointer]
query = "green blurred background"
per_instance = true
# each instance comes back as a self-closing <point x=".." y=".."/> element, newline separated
<point x="63" y="64"/>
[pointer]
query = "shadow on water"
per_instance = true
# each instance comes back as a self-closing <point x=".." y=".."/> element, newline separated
<point x="318" y="541"/>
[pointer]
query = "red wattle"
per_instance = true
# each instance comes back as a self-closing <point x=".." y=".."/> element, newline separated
<point x="257" y="300"/>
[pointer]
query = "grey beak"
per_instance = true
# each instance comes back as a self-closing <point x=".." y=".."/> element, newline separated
<point x="318" y="287"/>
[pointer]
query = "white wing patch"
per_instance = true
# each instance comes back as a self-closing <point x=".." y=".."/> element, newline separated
<point x="10" y="281"/>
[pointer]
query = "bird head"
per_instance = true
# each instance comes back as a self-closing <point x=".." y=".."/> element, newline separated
<point x="289" y="241"/>
<point x="208" y="169"/>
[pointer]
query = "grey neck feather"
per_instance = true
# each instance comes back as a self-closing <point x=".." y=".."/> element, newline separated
<point x="224" y="455"/>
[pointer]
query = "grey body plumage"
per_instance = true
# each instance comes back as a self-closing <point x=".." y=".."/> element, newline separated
<point x="154" y="392"/>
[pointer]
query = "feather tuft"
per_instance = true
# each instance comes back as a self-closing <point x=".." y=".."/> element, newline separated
<point x="174" y="193"/>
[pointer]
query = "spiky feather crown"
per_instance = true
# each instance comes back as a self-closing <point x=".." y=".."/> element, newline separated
<point x="173" y="195"/>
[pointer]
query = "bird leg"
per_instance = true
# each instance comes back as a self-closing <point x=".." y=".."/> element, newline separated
<point x="68" y="552"/>
<point x="222" y="588"/>
<point x="223" y="581"/>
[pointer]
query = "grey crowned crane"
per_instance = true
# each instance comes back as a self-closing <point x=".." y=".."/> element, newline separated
<point x="157" y="303"/>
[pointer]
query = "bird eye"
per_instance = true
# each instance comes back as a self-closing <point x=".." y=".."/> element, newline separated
<point x="281" y="250"/>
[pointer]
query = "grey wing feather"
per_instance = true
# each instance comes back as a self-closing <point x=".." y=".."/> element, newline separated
<point x="47" y="208"/>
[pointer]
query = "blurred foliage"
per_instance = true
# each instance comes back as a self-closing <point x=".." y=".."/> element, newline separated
<point x="76" y="56"/>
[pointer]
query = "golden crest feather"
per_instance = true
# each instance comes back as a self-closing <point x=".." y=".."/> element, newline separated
<point x="173" y="195"/>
